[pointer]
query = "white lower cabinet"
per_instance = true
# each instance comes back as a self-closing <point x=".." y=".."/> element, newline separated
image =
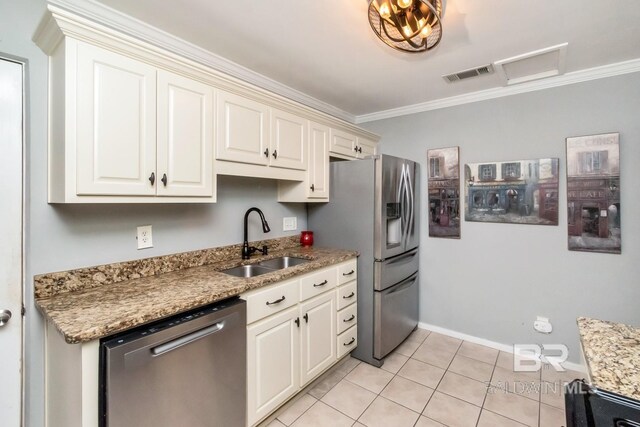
<point x="273" y="362"/>
<point x="347" y="340"/>
<point x="347" y="318"/>
<point x="318" y="350"/>
<point x="289" y="345"/>
<point x="347" y="309"/>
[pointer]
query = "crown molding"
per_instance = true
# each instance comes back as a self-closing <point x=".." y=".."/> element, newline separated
<point x="611" y="70"/>
<point x="132" y="27"/>
<point x="111" y="18"/>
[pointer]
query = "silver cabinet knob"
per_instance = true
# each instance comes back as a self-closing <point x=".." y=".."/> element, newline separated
<point x="5" y="315"/>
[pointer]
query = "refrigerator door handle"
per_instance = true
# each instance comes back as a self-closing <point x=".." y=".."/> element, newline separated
<point x="406" y="205"/>
<point x="401" y="201"/>
<point x="400" y="258"/>
<point x="406" y="283"/>
<point x="410" y="197"/>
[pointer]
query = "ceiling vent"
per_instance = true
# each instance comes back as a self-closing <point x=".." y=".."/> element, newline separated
<point x="534" y="65"/>
<point x="467" y="74"/>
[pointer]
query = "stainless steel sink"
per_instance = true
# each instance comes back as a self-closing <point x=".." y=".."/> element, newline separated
<point x="247" y="271"/>
<point x="283" y="262"/>
<point x="252" y="270"/>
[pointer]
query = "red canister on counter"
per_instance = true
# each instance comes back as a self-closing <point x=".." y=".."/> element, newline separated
<point x="306" y="238"/>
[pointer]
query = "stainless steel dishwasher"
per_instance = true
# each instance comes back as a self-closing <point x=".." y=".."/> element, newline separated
<point x="187" y="370"/>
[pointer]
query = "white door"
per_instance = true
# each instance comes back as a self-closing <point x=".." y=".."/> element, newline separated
<point x="185" y="136"/>
<point x="318" y="343"/>
<point x="11" y="132"/>
<point x="115" y="124"/>
<point x="273" y="362"/>
<point x="289" y="135"/>
<point x="343" y="143"/>
<point x="318" y="161"/>
<point x="242" y="130"/>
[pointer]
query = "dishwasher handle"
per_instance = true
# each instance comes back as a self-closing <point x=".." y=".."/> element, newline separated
<point x="186" y="339"/>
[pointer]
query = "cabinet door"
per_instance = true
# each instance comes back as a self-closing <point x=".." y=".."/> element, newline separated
<point x="289" y="135"/>
<point x="318" y="344"/>
<point x="318" y="161"/>
<point x="366" y="147"/>
<point x="243" y="130"/>
<point x="273" y="363"/>
<point x="115" y="124"/>
<point x="343" y="143"/>
<point x="185" y="136"/>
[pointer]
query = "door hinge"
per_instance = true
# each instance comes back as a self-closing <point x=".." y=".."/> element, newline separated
<point x="23" y="310"/>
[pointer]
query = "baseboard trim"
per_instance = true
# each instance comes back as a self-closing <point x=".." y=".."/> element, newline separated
<point x="488" y="343"/>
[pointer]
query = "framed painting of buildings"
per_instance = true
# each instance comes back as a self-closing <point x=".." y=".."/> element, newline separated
<point x="593" y="193"/>
<point x="444" y="192"/>
<point x="518" y="192"/>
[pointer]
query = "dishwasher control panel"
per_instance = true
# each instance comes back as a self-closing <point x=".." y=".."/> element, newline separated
<point x="160" y="325"/>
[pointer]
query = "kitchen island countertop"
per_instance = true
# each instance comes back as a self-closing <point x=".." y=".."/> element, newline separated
<point x="90" y="312"/>
<point x="612" y="352"/>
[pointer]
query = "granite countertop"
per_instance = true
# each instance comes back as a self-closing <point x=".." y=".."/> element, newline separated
<point x="612" y="352"/>
<point x="94" y="306"/>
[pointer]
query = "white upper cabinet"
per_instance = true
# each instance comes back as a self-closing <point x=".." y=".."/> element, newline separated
<point x="123" y="131"/>
<point x="347" y="145"/>
<point x="115" y="126"/>
<point x="343" y="143"/>
<point x="132" y="123"/>
<point x="318" y="187"/>
<point x="185" y="137"/>
<point x="366" y="147"/>
<point x="289" y="135"/>
<point x="250" y="132"/>
<point x="315" y="187"/>
<point x="243" y="130"/>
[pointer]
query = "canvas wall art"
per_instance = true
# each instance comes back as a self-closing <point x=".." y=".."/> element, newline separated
<point x="518" y="192"/>
<point x="444" y="192"/>
<point x="593" y="193"/>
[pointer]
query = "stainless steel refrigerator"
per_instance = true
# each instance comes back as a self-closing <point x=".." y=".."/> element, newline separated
<point x="373" y="209"/>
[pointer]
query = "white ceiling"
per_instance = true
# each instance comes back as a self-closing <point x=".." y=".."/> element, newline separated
<point x="326" y="49"/>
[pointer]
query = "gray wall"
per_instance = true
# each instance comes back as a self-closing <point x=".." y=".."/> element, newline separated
<point x="495" y="280"/>
<point x="61" y="237"/>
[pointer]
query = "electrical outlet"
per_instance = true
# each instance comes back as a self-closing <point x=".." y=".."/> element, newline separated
<point x="145" y="237"/>
<point x="289" y="223"/>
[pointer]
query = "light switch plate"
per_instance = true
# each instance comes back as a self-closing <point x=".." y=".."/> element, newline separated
<point x="145" y="237"/>
<point x="289" y="223"/>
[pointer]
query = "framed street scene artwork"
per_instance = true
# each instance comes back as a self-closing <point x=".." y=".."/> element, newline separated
<point x="593" y="193"/>
<point x="517" y="191"/>
<point x="444" y="192"/>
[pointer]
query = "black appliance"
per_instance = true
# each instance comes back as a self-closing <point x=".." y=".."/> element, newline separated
<point x="588" y="406"/>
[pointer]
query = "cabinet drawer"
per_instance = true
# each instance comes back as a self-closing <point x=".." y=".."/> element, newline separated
<point x="347" y="295"/>
<point x="317" y="283"/>
<point x="347" y="341"/>
<point x="347" y="272"/>
<point x="347" y="318"/>
<point x="263" y="303"/>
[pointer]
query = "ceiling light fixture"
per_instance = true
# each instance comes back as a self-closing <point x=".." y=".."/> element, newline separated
<point x="407" y="25"/>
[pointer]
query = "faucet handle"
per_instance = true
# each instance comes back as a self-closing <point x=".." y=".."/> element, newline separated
<point x="264" y="250"/>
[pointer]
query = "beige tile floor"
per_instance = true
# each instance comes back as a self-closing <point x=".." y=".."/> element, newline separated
<point x="431" y="380"/>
